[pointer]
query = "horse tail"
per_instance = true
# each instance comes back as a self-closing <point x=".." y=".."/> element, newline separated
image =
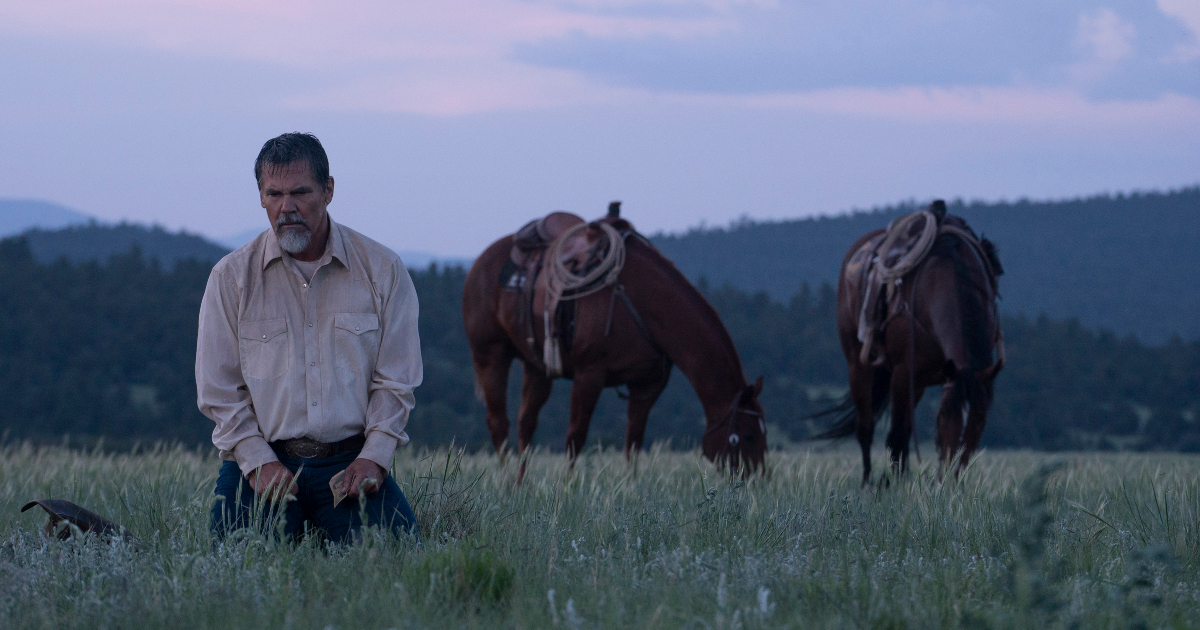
<point x="846" y="423"/>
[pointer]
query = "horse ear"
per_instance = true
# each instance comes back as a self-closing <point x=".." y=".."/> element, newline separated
<point x="758" y="386"/>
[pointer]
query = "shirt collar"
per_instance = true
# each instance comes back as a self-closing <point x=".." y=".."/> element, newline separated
<point x="335" y="248"/>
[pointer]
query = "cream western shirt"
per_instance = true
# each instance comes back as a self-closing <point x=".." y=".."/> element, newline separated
<point x="280" y="356"/>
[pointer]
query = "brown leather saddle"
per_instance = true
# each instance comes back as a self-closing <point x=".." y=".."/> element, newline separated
<point x="523" y="268"/>
<point x="562" y="246"/>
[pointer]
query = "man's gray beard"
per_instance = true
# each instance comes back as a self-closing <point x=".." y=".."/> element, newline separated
<point x="293" y="240"/>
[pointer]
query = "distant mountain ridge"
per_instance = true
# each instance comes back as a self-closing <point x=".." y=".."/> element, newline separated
<point x="1129" y="263"/>
<point x="19" y="215"/>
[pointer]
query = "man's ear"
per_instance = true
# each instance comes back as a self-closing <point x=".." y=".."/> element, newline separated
<point x="758" y="386"/>
<point x="329" y="191"/>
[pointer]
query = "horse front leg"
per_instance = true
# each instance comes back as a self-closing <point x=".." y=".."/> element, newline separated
<point x="585" y="392"/>
<point x="535" y="391"/>
<point x="642" y="397"/>
<point x="491" y="379"/>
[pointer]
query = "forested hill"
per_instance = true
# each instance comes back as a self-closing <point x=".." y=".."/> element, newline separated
<point x="1129" y="263"/>
<point x="108" y="350"/>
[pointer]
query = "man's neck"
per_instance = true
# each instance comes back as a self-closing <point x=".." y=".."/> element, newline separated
<point x="316" y="245"/>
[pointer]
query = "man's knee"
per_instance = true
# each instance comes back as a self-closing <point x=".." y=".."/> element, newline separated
<point x="387" y="509"/>
<point x="233" y="501"/>
<point x="392" y="509"/>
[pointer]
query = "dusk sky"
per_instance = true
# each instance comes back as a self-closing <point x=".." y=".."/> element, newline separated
<point x="450" y="123"/>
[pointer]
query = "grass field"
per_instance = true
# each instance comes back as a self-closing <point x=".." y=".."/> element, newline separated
<point x="1103" y="541"/>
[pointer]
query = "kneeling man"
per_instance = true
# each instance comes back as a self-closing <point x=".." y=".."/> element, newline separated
<point x="306" y="360"/>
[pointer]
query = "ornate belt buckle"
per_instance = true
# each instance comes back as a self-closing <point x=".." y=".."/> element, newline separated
<point x="304" y="448"/>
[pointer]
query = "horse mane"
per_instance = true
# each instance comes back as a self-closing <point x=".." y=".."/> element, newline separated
<point x="696" y="300"/>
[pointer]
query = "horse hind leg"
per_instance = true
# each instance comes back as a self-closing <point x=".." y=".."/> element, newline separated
<point x="904" y="402"/>
<point x="949" y="426"/>
<point x="979" y="402"/>
<point x="862" y="380"/>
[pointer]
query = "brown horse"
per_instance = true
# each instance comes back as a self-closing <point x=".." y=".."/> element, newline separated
<point x="939" y="327"/>
<point x="630" y="333"/>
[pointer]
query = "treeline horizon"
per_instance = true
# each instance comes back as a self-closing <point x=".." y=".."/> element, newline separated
<point x="107" y="351"/>
<point x="1126" y="262"/>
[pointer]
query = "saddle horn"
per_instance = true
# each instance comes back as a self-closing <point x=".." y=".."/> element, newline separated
<point x="938" y="208"/>
<point x="614" y="210"/>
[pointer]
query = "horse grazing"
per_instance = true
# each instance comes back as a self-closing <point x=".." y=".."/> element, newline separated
<point x="917" y="307"/>
<point x="628" y="327"/>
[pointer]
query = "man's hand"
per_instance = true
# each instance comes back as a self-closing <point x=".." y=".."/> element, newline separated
<point x="359" y="471"/>
<point x="272" y="480"/>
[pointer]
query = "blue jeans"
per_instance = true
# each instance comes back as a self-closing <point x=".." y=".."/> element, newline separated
<point x="237" y="503"/>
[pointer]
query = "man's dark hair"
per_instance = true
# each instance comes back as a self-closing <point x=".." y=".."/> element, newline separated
<point x="293" y="148"/>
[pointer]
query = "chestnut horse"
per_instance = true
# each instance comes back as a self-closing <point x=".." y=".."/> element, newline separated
<point x="941" y="329"/>
<point x="631" y="339"/>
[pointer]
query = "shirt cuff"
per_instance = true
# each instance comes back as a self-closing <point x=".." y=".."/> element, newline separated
<point x="380" y="448"/>
<point x="252" y="453"/>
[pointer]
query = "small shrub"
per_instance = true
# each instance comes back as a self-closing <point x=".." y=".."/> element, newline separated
<point x="467" y="575"/>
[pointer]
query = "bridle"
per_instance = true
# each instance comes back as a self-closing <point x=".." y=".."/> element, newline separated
<point x="732" y="440"/>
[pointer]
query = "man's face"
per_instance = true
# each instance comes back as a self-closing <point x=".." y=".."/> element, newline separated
<point x="296" y="204"/>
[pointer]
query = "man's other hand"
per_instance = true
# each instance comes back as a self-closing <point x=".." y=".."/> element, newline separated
<point x="271" y="480"/>
<point x="360" y="471"/>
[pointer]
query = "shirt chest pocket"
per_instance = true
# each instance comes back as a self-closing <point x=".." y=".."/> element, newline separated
<point x="264" y="348"/>
<point x="356" y="341"/>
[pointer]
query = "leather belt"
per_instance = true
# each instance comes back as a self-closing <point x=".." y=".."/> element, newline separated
<point x="305" y="448"/>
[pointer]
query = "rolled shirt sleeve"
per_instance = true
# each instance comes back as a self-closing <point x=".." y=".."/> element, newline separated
<point x="222" y="394"/>
<point x="398" y="370"/>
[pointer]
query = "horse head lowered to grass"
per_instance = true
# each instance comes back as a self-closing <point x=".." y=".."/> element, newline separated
<point x="917" y="307"/>
<point x="598" y="304"/>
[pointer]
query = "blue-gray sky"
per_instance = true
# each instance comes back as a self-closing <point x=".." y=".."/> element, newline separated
<point x="450" y="122"/>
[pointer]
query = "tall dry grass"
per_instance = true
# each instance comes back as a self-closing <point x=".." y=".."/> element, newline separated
<point x="1022" y="540"/>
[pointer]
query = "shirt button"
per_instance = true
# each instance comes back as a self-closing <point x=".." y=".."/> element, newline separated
<point x="305" y="285"/>
<point x="310" y="325"/>
<point x="356" y="329"/>
<point x="264" y="336"/>
<point x="314" y="404"/>
<point x="312" y="362"/>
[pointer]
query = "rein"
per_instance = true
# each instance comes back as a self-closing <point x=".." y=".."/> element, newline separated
<point x="618" y="291"/>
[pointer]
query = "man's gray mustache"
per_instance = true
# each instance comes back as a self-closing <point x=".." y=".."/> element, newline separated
<point x="290" y="219"/>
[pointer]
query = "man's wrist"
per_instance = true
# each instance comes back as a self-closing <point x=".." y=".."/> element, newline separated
<point x="253" y="453"/>
<point x="379" y="448"/>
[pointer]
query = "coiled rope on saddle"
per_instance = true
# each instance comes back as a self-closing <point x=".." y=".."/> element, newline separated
<point x="887" y="267"/>
<point x="891" y="270"/>
<point x="570" y="286"/>
<point x="563" y="284"/>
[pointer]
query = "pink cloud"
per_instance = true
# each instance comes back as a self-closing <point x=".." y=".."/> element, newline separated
<point x="315" y="33"/>
<point x="1006" y="105"/>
